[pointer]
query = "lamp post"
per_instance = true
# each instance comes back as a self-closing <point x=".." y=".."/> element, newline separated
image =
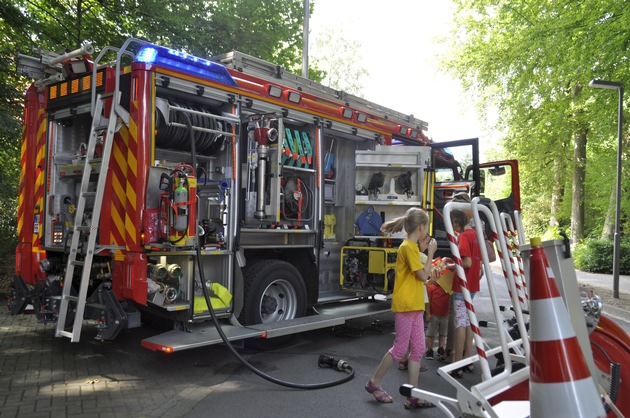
<point x="305" y="39"/>
<point x="619" y="87"/>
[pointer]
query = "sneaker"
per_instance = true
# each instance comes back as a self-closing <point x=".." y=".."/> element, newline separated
<point x="429" y="354"/>
<point x="441" y="353"/>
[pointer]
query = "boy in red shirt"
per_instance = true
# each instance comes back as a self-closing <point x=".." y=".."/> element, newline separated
<point x="437" y="315"/>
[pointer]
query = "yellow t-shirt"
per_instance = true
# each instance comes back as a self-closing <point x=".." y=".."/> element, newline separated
<point x="408" y="290"/>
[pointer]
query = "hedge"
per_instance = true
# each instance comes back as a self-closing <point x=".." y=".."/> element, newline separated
<point x="596" y="256"/>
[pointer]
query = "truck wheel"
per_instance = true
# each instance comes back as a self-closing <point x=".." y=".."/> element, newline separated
<point x="274" y="291"/>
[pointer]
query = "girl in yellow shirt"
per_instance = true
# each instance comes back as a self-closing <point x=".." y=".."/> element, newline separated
<point x="407" y="304"/>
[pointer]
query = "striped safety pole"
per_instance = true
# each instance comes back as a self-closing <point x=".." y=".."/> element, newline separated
<point x="511" y="240"/>
<point x="460" y="275"/>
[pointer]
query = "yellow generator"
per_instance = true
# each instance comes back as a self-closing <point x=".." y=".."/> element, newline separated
<point x="368" y="268"/>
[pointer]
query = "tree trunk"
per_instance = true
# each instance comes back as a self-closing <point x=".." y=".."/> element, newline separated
<point x="579" y="174"/>
<point x="608" y="231"/>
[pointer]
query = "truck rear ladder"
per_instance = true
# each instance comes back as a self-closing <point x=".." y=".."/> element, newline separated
<point x="93" y="166"/>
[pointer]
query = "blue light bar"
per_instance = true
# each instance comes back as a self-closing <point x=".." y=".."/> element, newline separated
<point x="188" y="64"/>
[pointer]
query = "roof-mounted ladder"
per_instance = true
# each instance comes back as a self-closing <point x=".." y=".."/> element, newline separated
<point x="257" y="67"/>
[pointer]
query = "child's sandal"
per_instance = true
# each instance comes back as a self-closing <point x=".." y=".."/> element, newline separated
<point x="379" y="394"/>
<point x="415" y="403"/>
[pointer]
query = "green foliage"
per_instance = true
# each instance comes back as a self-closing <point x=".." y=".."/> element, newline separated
<point x="334" y="52"/>
<point x="10" y="128"/>
<point x="9" y="177"/>
<point x="596" y="256"/>
<point x="552" y="233"/>
<point x="537" y="221"/>
<point x="271" y="30"/>
<point x="533" y="60"/>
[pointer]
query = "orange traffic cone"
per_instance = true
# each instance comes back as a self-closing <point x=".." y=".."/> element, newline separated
<point x="560" y="383"/>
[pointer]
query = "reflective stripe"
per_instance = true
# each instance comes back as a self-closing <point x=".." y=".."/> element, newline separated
<point x="549" y="320"/>
<point x="565" y="400"/>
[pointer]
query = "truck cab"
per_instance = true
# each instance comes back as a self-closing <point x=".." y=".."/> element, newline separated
<point x="496" y="181"/>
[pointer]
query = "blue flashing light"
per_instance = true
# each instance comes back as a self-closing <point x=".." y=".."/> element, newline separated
<point x="188" y="64"/>
<point x="147" y="55"/>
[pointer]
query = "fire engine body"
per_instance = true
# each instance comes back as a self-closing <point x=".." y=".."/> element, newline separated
<point x="146" y="179"/>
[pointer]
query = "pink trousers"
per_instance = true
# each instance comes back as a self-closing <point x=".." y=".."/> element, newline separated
<point x="409" y="328"/>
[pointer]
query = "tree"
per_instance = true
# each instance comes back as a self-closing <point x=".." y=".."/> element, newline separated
<point x="271" y="30"/>
<point x="333" y="52"/>
<point x="533" y="59"/>
<point x="11" y="88"/>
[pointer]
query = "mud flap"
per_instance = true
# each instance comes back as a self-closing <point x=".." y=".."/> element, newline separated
<point x="103" y="307"/>
<point x="20" y="298"/>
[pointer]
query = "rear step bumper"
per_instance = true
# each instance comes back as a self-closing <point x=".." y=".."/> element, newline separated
<point x="203" y="334"/>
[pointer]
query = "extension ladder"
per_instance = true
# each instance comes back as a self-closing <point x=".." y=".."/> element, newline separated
<point x="85" y="227"/>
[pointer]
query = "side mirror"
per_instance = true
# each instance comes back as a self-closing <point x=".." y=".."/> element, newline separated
<point x="497" y="171"/>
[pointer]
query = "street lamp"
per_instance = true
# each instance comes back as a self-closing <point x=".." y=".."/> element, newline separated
<point x="305" y="39"/>
<point x="619" y="87"/>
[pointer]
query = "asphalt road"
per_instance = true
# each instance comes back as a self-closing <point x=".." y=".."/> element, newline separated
<point x="44" y="376"/>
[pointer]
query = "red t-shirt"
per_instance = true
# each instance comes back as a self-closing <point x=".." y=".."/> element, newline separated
<point x="438" y="299"/>
<point x="469" y="247"/>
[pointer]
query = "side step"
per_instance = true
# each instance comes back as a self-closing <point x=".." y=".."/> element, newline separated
<point x="203" y="334"/>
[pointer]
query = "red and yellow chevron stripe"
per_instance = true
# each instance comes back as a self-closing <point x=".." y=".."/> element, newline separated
<point x="31" y="187"/>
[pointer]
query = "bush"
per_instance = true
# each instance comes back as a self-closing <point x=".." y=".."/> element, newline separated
<point x="552" y="233"/>
<point x="596" y="256"/>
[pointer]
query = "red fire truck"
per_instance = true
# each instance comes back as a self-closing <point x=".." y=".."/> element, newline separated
<point x="225" y="192"/>
<point x="154" y="182"/>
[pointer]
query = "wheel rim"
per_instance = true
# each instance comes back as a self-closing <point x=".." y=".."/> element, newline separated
<point x="279" y="302"/>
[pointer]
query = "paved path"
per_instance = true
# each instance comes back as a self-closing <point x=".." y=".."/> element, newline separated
<point x="44" y="376"/>
<point x="604" y="280"/>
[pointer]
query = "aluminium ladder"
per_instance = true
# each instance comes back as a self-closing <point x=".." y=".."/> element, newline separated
<point x="93" y="166"/>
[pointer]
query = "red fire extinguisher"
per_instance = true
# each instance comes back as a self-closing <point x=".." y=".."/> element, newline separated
<point x="177" y="217"/>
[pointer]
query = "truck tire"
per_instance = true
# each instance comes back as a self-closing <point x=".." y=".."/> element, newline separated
<point x="274" y="291"/>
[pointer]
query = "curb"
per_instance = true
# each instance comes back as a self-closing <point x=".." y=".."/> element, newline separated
<point x="616" y="313"/>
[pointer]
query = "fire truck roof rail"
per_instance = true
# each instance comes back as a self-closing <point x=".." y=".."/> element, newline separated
<point x="46" y="68"/>
<point x="257" y="67"/>
<point x="125" y="50"/>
